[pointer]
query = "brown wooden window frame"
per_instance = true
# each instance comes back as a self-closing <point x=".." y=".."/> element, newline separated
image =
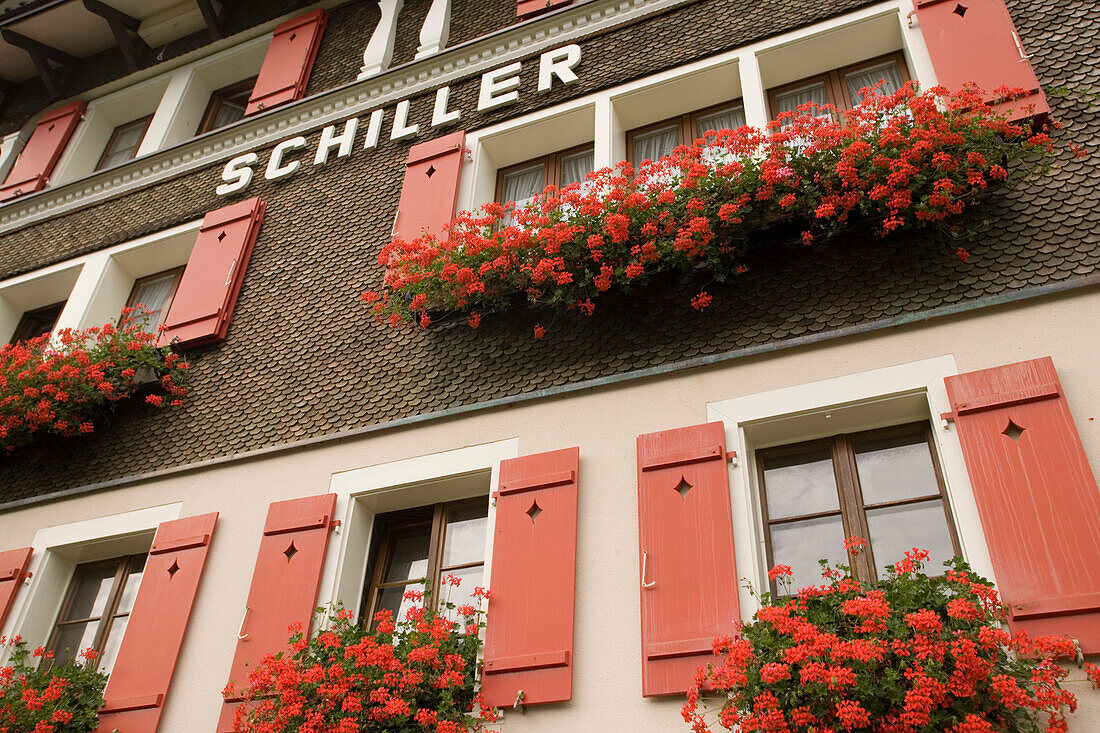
<point x="686" y="123"/>
<point x="551" y="171"/>
<point x="401" y="523"/>
<point x="28" y="318"/>
<point x="141" y="121"/>
<point x="124" y="567"/>
<point x="852" y="509"/>
<point x="836" y="90"/>
<point x="131" y="300"/>
<point x="231" y="94"/>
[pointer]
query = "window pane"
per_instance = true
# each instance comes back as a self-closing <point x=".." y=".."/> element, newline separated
<point x="896" y="529"/>
<point x="801" y="544"/>
<point x="73" y="639"/>
<point x="93" y="586"/>
<point x="228" y="113"/>
<point x="393" y="600"/>
<point x="129" y="591"/>
<point x="151" y="296"/>
<point x="464" y="540"/>
<point x="893" y="468"/>
<point x="409" y="558"/>
<point x="523" y="185"/>
<point x="800" y="483"/>
<point x="124" y="143"/>
<point x="655" y="144"/>
<point x="110" y="646"/>
<point x="887" y="73"/>
<point x="728" y="119"/>
<point x="575" y="168"/>
<point x="464" y="593"/>
<point x="790" y="101"/>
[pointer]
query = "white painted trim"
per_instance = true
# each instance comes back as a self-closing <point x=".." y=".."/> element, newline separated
<point x="54" y="558"/>
<point x="344" y="574"/>
<point x="916" y="379"/>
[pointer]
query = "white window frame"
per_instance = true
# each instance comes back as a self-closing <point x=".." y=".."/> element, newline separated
<point x="877" y="398"/>
<point x="59" y="549"/>
<point x="362" y="493"/>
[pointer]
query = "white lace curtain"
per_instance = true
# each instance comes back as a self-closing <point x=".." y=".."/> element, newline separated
<point x="523" y="186"/>
<point x="655" y="144"/>
<point x="151" y="295"/>
<point x="792" y="100"/>
<point x="888" y="73"/>
<point x="727" y="119"/>
<point x="574" y="168"/>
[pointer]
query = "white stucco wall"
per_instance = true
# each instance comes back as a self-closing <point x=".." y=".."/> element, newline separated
<point x="604" y="423"/>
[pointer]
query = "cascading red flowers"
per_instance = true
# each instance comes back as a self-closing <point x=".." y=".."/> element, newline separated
<point x="38" y="695"/>
<point x="62" y="384"/>
<point x="905" y="160"/>
<point x="418" y="673"/>
<point x="906" y="654"/>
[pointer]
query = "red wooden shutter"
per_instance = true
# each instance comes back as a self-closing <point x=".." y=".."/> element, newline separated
<point x="527" y="8"/>
<point x="529" y="636"/>
<point x="47" y="142"/>
<point x="139" y="681"/>
<point x="976" y="41"/>
<point x="13" y="566"/>
<point x="284" y="585"/>
<point x="430" y="192"/>
<point x="688" y="574"/>
<point x="203" y="305"/>
<point x="288" y="62"/>
<point x="1036" y="495"/>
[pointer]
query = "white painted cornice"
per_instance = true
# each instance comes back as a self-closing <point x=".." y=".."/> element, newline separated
<point x="352" y="99"/>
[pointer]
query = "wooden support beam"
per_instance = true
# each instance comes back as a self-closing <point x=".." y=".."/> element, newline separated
<point x="134" y="48"/>
<point x="213" y="19"/>
<point x="41" y="55"/>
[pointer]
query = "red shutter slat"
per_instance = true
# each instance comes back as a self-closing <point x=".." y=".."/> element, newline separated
<point x="529" y="636"/>
<point x="429" y="194"/>
<point x="527" y="8"/>
<point x="1036" y="495"/>
<point x="289" y="60"/>
<point x="976" y="41"/>
<point x="138" y="686"/>
<point x="203" y="305"/>
<point x="689" y="583"/>
<point x="35" y="164"/>
<point x="284" y="584"/>
<point x="13" y="566"/>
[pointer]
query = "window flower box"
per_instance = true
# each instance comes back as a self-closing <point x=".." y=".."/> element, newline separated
<point x="907" y="160"/>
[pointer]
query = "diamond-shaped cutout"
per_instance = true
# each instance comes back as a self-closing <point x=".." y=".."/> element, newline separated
<point x="960" y="10"/>
<point x="174" y="569"/>
<point x="293" y="36"/>
<point x="222" y="235"/>
<point x="290" y="551"/>
<point x="534" y="511"/>
<point x="50" y="128"/>
<point x="683" y="488"/>
<point x="430" y="171"/>
<point x="1013" y="431"/>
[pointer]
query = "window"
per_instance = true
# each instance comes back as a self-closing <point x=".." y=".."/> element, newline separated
<point x="661" y="138"/>
<point x="124" y="143"/>
<point x="38" y="322"/>
<point x="523" y="182"/>
<point x="154" y="294"/>
<point x="96" y="609"/>
<point x="841" y="86"/>
<point x="226" y="106"/>
<point x="422" y="545"/>
<point x="883" y="485"/>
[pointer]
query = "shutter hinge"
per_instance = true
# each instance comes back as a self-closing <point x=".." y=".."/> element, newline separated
<point x="518" y="704"/>
<point x="27" y="578"/>
<point x="731" y="456"/>
<point x="336" y="526"/>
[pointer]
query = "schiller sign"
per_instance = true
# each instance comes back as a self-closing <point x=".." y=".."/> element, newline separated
<point x="498" y="88"/>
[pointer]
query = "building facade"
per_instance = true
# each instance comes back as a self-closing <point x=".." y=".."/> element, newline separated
<point x="242" y="165"/>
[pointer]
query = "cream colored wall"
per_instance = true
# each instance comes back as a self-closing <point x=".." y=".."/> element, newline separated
<point x="604" y="423"/>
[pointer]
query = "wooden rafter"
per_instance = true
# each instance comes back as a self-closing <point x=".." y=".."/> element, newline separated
<point x="133" y="47"/>
<point x="41" y="55"/>
<point x="213" y="19"/>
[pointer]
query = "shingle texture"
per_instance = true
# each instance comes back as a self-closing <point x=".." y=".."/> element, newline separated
<point x="304" y="359"/>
